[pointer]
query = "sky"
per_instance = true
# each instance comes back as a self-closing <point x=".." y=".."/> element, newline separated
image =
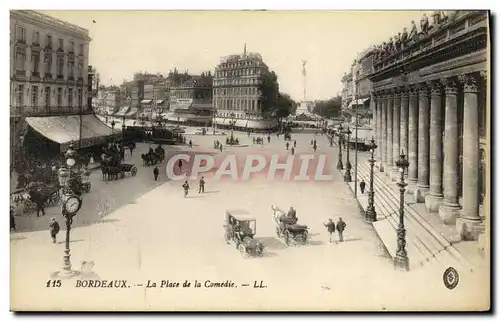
<point x="125" y="42"/>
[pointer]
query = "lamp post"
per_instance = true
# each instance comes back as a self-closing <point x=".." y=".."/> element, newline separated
<point x="340" y="166"/>
<point x="71" y="205"/>
<point x="371" y="214"/>
<point x="401" y="260"/>
<point x="347" y="175"/>
<point x="232" y="128"/>
<point x="113" y="129"/>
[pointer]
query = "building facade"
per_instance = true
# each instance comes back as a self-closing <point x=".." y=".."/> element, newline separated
<point x="430" y="100"/>
<point x="48" y="69"/>
<point x="236" y="94"/>
<point x="191" y="102"/>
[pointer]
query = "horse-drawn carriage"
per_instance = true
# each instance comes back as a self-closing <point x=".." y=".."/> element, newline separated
<point x="240" y="229"/>
<point x="112" y="168"/>
<point x="287" y="228"/>
<point x="25" y="200"/>
<point x="153" y="157"/>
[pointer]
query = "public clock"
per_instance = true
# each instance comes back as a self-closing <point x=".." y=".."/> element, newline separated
<point x="72" y="204"/>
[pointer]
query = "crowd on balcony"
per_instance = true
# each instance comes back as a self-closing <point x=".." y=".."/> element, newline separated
<point x="405" y="39"/>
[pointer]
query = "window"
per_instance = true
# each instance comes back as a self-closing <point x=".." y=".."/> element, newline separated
<point x="36" y="62"/>
<point x="21" y="34"/>
<point x="60" y="67"/>
<point x="36" y="37"/>
<point x="71" y="46"/>
<point x="71" y="68"/>
<point x="20" y="60"/>
<point x="49" y="41"/>
<point x="80" y="70"/>
<point x="47" y="96"/>
<point x="80" y="98"/>
<point x="48" y="63"/>
<point x="81" y="49"/>
<point x="34" y="96"/>
<point x="20" y="95"/>
<point x="61" y="43"/>
<point x="59" y="97"/>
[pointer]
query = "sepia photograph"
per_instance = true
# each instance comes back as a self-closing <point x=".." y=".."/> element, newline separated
<point x="250" y="160"/>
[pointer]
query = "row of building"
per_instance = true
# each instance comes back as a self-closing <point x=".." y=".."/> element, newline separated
<point x="427" y="96"/>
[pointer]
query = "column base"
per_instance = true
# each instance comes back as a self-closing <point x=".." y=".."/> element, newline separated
<point x="420" y="193"/>
<point x="411" y="187"/>
<point x="401" y="263"/>
<point x="65" y="274"/>
<point x="448" y="213"/>
<point x="469" y="229"/>
<point x="381" y="167"/>
<point x="433" y="201"/>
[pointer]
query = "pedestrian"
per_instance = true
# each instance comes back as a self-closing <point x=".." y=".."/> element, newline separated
<point x="315" y="147"/>
<point x="220" y="148"/>
<point x="287" y="145"/>
<point x="180" y="165"/>
<point x="185" y="186"/>
<point x="201" y="188"/>
<point x="40" y="204"/>
<point x="268" y="139"/>
<point x="54" y="229"/>
<point x="190" y="144"/>
<point x="295" y="143"/>
<point x="330" y="227"/>
<point x="293" y="151"/>
<point x="340" y="228"/>
<point x="156" y="172"/>
<point x="362" y="186"/>
<point x="312" y="141"/>
<point x="12" y="219"/>
<point x="253" y="139"/>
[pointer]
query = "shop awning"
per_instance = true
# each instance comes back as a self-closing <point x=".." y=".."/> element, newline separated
<point x="260" y="124"/>
<point x="132" y="113"/>
<point x="146" y="101"/>
<point x="241" y="123"/>
<point x="64" y="129"/>
<point x="159" y="102"/>
<point x="202" y="106"/>
<point x="358" y="102"/>
<point x="122" y="112"/>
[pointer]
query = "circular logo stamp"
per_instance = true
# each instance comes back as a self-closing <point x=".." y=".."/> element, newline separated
<point x="450" y="278"/>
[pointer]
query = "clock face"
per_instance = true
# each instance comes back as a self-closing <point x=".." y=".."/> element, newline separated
<point x="72" y="204"/>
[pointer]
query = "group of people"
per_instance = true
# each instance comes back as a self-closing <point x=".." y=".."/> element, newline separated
<point x="331" y="227"/>
<point x="201" y="187"/>
<point x="218" y="145"/>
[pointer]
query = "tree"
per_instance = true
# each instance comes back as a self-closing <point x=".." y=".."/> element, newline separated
<point x="269" y="90"/>
<point x="329" y="108"/>
<point x="285" y="105"/>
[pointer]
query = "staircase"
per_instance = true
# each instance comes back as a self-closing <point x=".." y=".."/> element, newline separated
<point x="425" y="246"/>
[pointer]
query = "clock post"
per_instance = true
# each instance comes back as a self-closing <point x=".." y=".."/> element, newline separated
<point x="70" y="207"/>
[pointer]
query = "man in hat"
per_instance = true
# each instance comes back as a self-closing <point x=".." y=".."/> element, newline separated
<point x="54" y="229"/>
<point x="330" y="227"/>
<point x="340" y="228"/>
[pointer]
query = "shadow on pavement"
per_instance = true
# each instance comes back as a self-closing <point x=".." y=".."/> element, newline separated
<point x="268" y="254"/>
<point x="17" y="238"/>
<point x="71" y="241"/>
<point x="315" y="243"/>
<point x="195" y="196"/>
<point x="271" y="243"/>
<point x="108" y="220"/>
<point x="352" y="239"/>
<point x="211" y="192"/>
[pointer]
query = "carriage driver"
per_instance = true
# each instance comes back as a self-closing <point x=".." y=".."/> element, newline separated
<point x="238" y="231"/>
<point x="292" y="214"/>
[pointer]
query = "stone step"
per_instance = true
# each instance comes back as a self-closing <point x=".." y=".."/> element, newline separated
<point x="428" y="238"/>
<point x="393" y="190"/>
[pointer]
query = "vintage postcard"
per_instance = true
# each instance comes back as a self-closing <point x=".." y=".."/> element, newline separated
<point x="250" y="160"/>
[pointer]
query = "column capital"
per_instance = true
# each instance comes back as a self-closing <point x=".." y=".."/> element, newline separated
<point x="469" y="82"/>
<point x="435" y="87"/>
<point x="412" y="91"/>
<point x="451" y="86"/>
<point x="422" y="89"/>
<point x="484" y="75"/>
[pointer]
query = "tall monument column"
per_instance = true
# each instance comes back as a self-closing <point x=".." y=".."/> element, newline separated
<point x="379" y="130"/>
<point x="469" y="222"/>
<point x="413" y="140"/>
<point x="388" y="150"/>
<point x="396" y="124"/>
<point x="384" y="131"/>
<point x="435" y="196"/>
<point x="423" y="144"/>
<point x="403" y="141"/>
<point x="449" y="210"/>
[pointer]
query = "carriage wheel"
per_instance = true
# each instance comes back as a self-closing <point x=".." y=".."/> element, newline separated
<point x="304" y="237"/>
<point x="134" y="171"/>
<point x="242" y="249"/>
<point x="287" y="237"/>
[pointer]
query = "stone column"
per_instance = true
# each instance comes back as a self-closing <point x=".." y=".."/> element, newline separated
<point x="468" y="224"/>
<point x="379" y="131"/>
<point x="390" y="107"/>
<point x="435" y="196"/>
<point x="449" y="210"/>
<point x="396" y="124"/>
<point x="374" y="116"/>
<point x="423" y="144"/>
<point x="384" y="132"/>
<point x="403" y="140"/>
<point x="412" y="139"/>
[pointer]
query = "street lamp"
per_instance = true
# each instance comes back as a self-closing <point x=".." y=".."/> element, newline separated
<point x="113" y="129"/>
<point x="401" y="260"/>
<point x="347" y="175"/>
<point x="371" y="214"/>
<point x="70" y="207"/>
<point x="233" y="121"/>
<point x="340" y="166"/>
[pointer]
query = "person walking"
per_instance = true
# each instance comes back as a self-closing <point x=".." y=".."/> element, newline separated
<point x="201" y="188"/>
<point x="340" y="228"/>
<point x="190" y="143"/>
<point x="295" y="143"/>
<point x="185" y="186"/>
<point x="180" y="165"/>
<point x="293" y="151"/>
<point x="362" y="186"/>
<point x="12" y="219"/>
<point x="54" y="229"/>
<point x="315" y="147"/>
<point x="287" y="145"/>
<point x="268" y="139"/>
<point x="220" y="148"/>
<point x="330" y="227"/>
<point x="39" y="200"/>
<point x="156" y="172"/>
